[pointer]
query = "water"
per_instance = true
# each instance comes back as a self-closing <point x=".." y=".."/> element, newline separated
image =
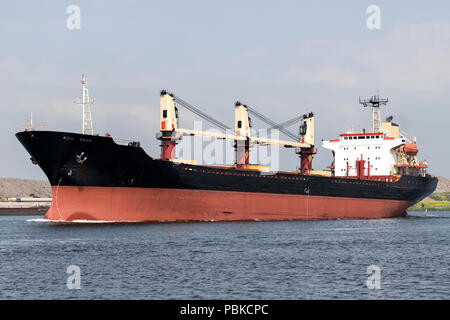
<point x="237" y="260"/>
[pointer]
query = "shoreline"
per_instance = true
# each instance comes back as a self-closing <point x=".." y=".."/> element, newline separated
<point x="24" y="211"/>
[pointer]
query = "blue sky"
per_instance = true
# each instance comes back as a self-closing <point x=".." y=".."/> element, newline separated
<point x="283" y="57"/>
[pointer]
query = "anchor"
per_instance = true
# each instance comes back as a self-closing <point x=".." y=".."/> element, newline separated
<point x="81" y="158"/>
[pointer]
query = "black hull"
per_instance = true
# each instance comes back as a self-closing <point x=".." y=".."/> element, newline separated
<point x="103" y="163"/>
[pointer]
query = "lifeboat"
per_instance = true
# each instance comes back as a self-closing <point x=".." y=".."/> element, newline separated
<point x="411" y="149"/>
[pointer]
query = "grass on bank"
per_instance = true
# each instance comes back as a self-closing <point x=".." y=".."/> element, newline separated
<point x="441" y="202"/>
<point x="440" y="196"/>
<point x="431" y="206"/>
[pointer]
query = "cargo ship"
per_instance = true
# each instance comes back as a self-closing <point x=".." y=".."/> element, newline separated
<point x="374" y="173"/>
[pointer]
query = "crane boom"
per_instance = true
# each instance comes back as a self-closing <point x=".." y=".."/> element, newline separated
<point x="209" y="134"/>
<point x="281" y="143"/>
<point x="258" y="140"/>
<point x="272" y="123"/>
<point x="287" y="122"/>
<point x="200" y="113"/>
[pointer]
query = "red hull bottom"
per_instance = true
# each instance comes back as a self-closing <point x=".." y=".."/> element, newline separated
<point x="116" y="204"/>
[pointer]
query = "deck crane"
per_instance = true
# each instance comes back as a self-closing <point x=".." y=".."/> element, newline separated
<point x="171" y="133"/>
<point x="306" y="132"/>
<point x="306" y="137"/>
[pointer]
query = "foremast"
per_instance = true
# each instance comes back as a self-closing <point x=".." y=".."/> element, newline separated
<point x="86" y="102"/>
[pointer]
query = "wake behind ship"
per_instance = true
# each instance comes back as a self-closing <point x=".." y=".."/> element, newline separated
<point x="373" y="174"/>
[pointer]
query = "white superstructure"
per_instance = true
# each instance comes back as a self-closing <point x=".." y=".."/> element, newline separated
<point x="376" y="149"/>
<point x="384" y="152"/>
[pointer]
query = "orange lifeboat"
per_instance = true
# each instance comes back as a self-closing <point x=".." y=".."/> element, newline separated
<point x="411" y="148"/>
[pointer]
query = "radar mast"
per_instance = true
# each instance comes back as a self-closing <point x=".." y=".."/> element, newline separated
<point x="375" y="102"/>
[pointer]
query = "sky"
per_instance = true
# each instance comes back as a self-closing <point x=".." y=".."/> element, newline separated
<point x="284" y="58"/>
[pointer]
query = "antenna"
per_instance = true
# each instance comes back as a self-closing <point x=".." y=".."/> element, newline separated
<point x="86" y="103"/>
<point x="375" y="102"/>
